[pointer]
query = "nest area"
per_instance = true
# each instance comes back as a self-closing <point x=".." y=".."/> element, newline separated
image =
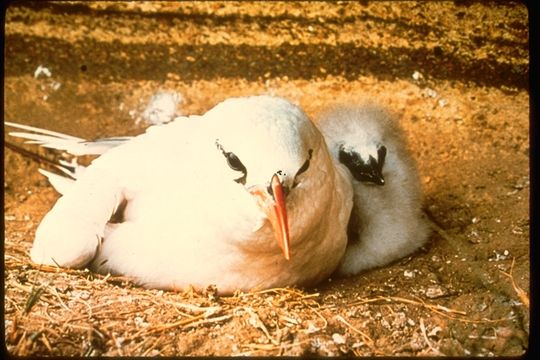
<point x="455" y="73"/>
<point x="76" y="312"/>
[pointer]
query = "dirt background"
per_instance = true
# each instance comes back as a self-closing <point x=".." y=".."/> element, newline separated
<point x="465" y="111"/>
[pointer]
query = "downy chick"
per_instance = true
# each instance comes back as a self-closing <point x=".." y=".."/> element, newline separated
<point x="387" y="222"/>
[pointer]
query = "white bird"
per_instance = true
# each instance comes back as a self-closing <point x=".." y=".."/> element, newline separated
<point x="387" y="222"/>
<point x="245" y="197"/>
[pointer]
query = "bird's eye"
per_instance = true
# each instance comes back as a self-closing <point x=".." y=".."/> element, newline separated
<point x="234" y="162"/>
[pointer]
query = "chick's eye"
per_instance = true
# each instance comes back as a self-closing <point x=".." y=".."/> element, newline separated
<point x="234" y="162"/>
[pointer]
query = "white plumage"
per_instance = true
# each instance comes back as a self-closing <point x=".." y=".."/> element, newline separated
<point x="186" y="213"/>
<point x="201" y="201"/>
<point x="74" y="145"/>
<point x="387" y="222"/>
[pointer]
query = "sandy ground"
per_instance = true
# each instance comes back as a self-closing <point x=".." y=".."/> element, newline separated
<point x="465" y="112"/>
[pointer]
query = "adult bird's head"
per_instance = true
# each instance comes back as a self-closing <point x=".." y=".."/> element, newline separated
<point x="269" y="146"/>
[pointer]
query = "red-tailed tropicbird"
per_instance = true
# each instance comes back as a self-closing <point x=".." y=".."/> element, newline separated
<point x="387" y="221"/>
<point x="245" y="197"/>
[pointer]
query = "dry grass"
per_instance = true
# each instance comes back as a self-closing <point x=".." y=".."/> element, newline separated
<point x="522" y="295"/>
<point x="58" y="311"/>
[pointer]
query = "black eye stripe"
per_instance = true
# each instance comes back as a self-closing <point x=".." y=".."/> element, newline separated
<point x="234" y="163"/>
<point x="381" y="153"/>
<point x="365" y="171"/>
<point x="305" y="166"/>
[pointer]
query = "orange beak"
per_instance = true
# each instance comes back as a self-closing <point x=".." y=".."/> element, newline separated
<point x="276" y="210"/>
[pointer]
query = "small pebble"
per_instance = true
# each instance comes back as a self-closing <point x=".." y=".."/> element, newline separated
<point x="431" y="93"/>
<point x="435" y="291"/>
<point x="42" y="70"/>
<point x="417" y="75"/>
<point x="338" y="339"/>
<point x="408" y="274"/>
